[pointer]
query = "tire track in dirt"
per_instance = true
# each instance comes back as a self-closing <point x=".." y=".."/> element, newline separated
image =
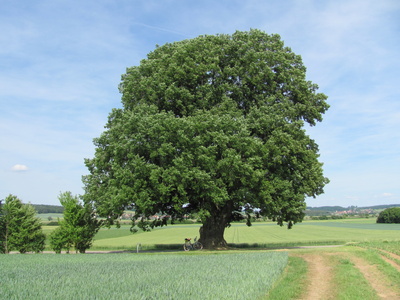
<point x="375" y="279"/>
<point x="390" y="261"/>
<point x="319" y="277"/>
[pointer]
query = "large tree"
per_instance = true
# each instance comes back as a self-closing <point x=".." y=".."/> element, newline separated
<point x="20" y="229"/>
<point x="214" y="126"/>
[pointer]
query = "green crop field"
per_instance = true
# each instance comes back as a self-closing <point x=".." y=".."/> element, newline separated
<point x="140" y="276"/>
<point x="53" y="216"/>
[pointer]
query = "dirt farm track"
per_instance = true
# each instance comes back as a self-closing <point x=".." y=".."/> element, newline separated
<point x="320" y="274"/>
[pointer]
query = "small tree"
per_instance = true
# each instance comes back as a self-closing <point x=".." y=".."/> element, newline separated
<point x="389" y="215"/>
<point x="20" y="229"/>
<point x="78" y="227"/>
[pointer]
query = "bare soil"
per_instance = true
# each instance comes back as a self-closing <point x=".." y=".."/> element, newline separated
<point x="320" y="277"/>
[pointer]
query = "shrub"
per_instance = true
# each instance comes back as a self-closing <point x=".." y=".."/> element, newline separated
<point x="389" y="215"/>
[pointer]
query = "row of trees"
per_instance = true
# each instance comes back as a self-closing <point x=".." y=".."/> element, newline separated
<point x="21" y="230"/>
<point x="45" y="209"/>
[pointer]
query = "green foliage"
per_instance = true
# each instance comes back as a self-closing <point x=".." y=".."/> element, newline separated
<point x="20" y="229"/>
<point x="214" y="126"/>
<point x="389" y="215"/>
<point x="78" y="227"/>
<point x="130" y="276"/>
<point x="59" y="240"/>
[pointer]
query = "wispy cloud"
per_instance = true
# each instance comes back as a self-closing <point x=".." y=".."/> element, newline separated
<point x="19" y="168"/>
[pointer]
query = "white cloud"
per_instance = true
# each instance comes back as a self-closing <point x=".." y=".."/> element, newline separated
<point x="387" y="194"/>
<point x="19" y="167"/>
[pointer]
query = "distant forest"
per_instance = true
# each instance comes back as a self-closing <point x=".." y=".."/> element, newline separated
<point x="48" y="209"/>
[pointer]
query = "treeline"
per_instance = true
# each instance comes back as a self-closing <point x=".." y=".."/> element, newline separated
<point x="48" y="209"/>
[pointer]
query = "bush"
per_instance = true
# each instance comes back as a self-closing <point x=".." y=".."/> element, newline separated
<point x="389" y="215"/>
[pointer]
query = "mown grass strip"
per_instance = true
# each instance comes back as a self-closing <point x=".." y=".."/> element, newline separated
<point x="350" y="282"/>
<point x="373" y="256"/>
<point x="291" y="285"/>
<point x="389" y="256"/>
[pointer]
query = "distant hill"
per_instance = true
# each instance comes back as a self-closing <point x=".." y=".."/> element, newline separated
<point x="326" y="208"/>
<point x="329" y="210"/>
<point x="341" y="208"/>
<point x="47" y="209"/>
<point x="381" y="206"/>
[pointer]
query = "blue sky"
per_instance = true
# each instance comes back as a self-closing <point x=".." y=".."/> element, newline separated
<point x="61" y="63"/>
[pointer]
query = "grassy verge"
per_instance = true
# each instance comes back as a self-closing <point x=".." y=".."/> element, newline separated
<point x="292" y="283"/>
<point x="350" y="282"/>
<point x="390" y="246"/>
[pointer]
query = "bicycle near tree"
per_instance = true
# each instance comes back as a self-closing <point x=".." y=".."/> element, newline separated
<point x="188" y="245"/>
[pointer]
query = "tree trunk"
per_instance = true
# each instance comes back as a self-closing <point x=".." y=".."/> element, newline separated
<point x="212" y="231"/>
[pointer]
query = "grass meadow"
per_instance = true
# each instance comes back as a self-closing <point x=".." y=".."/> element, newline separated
<point x="259" y="235"/>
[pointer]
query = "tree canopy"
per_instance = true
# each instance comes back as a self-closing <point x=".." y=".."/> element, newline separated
<point x="389" y="215"/>
<point x="214" y="126"/>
